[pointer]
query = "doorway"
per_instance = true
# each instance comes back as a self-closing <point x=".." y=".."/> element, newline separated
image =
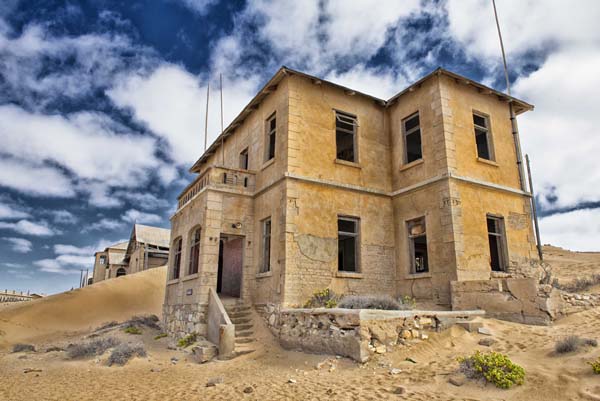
<point x="231" y="258"/>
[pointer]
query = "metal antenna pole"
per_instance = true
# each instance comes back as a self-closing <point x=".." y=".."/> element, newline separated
<point x="222" y="138"/>
<point x="534" y="209"/>
<point x="206" y="117"/>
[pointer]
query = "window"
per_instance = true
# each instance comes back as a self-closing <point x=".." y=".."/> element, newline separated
<point x="345" y="136"/>
<point x="412" y="139"/>
<point x="270" y="137"/>
<point x="121" y="272"/>
<point x="177" y="259"/>
<point x="265" y="265"/>
<point x="194" y="252"/>
<point x="497" y="239"/>
<point x="483" y="137"/>
<point x="417" y="237"/>
<point x="103" y="260"/>
<point x="244" y="159"/>
<point x="348" y="244"/>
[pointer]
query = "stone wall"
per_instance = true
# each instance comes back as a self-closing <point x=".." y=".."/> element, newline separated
<point x="183" y="319"/>
<point x="354" y="333"/>
<point x="573" y="303"/>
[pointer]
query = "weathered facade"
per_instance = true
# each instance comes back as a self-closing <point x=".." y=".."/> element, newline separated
<point x="109" y="262"/>
<point x="318" y="186"/>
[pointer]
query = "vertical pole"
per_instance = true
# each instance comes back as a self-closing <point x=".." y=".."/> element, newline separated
<point x="80" y="277"/>
<point x="206" y="117"/>
<point x="534" y="211"/>
<point x="222" y="138"/>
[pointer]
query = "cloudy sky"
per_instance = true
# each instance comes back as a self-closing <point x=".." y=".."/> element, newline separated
<point x="101" y="102"/>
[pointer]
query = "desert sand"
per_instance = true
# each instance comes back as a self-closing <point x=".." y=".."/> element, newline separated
<point x="265" y="373"/>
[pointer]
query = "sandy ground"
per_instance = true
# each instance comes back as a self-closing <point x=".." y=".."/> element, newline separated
<point x="568" y="266"/>
<point x="267" y="371"/>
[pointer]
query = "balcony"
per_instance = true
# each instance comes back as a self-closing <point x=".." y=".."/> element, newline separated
<point x="218" y="177"/>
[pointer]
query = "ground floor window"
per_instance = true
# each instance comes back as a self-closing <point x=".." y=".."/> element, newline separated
<point x="417" y="241"/>
<point x="497" y="240"/>
<point x="121" y="272"/>
<point x="265" y="265"/>
<point x="348" y="235"/>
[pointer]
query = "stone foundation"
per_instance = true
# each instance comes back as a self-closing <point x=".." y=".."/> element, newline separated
<point x="182" y="319"/>
<point x="356" y="334"/>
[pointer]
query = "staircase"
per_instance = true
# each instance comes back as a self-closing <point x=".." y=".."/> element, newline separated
<point x="241" y="316"/>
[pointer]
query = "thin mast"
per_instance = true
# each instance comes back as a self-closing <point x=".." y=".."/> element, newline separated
<point x="534" y="209"/>
<point x="206" y="118"/>
<point x="222" y="138"/>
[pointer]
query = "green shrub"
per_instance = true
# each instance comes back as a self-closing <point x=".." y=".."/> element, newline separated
<point x="132" y="330"/>
<point x="161" y="335"/>
<point x="408" y="302"/>
<point x="187" y="340"/>
<point x="494" y="367"/>
<point x="595" y="366"/>
<point x="322" y="299"/>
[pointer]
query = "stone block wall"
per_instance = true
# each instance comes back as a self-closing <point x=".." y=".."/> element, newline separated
<point x="183" y="319"/>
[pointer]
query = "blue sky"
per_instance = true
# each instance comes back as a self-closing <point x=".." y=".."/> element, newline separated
<point x="101" y="102"/>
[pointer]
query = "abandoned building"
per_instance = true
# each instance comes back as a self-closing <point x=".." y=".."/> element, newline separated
<point x="147" y="247"/>
<point x="314" y="185"/>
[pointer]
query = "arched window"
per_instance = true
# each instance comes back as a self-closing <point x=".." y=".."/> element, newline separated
<point x="194" y="252"/>
<point x="121" y="272"/>
<point x="177" y="259"/>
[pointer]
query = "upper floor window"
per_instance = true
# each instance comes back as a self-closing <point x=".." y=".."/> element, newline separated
<point x="271" y="134"/>
<point x="412" y="138"/>
<point x="483" y="136"/>
<point x="348" y="233"/>
<point x="345" y="136"/>
<point x="194" y="252"/>
<point x="417" y="242"/>
<point x="244" y="159"/>
<point x="177" y="258"/>
<point x="265" y="265"/>
<point x="102" y="259"/>
<point x="497" y="240"/>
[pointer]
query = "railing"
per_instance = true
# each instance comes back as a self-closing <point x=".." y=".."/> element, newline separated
<point x="219" y="177"/>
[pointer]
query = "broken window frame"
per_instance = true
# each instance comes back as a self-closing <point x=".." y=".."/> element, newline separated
<point x="423" y="266"/>
<point x="176" y="259"/>
<point x="356" y="238"/>
<point x="244" y="160"/>
<point x="270" y="137"/>
<point x="350" y="119"/>
<point x="412" y="131"/>
<point x="500" y="242"/>
<point x="265" y="262"/>
<point x="102" y="259"/>
<point x="489" y="142"/>
<point x="194" y="251"/>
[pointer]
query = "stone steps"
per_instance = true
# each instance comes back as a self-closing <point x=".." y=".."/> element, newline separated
<point x="242" y="317"/>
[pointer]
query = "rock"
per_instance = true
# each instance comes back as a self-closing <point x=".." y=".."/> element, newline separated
<point x="424" y="336"/>
<point x="395" y="371"/>
<point x="457" y="380"/>
<point x="485" y="331"/>
<point x="248" y="390"/>
<point x="406" y="334"/>
<point x="415" y="333"/>
<point x="291" y="381"/>
<point x="488" y="341"/>
<point x="22" y="357"/>
<point x="204" y="353"/>
<point x="380" y="349"/>
<point x="408" y="359"/>
<point x="29" y="370"/>
<point x="174" y="360"/>
<point x="214" y="381"/>
<point x="400" y="390"/>
<point x="156" y="370"/>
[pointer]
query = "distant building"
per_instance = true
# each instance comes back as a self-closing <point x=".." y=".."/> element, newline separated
<point x="14" y="296"/>
<point x="109" y="262"/>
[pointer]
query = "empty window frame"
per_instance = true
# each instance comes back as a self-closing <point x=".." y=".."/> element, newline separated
<point x="483" y="136"/>
<point x="412" y="138"/>
<point x="497" y="240"/>
<point x="348" y="244"/>
<point x="194" y="252"/>
<point x="103" y="260"/>
<point x="417" y="242"/>
<point x="244" y="159"/>
<point x="176" y="259"/>
<point x="271" y="134"/>
<point x="265" y="264"/>
<point x="345" y="137"/>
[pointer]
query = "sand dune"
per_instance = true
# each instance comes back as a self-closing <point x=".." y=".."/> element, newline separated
<point x="83" y="309"/>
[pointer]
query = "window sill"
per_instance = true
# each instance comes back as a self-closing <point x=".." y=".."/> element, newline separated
<point x="173" y="281"/>
<point x="416" y="276"/>
<point x="486" y="161"/>
<point x="190" y="277"/>
<point x="267" y="163"/>
<point x="412" y="164"/>
<point x="342" y="274"/>
<point x="264" y="274"/>
<point x="347" y="163"/>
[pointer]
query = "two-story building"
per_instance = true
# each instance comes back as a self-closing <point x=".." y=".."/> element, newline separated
<point x="314" y="185"/>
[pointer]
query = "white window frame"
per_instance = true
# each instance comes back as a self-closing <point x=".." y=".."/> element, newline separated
<point x="488" y="135"/>
<point x="356" y="236"/>
<point x="351" y="119"/>
<point x="406" y="133"/>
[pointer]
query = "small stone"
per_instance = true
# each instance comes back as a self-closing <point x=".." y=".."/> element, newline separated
<point x="29" y="370"/>
<point x="214" y="381"/>
<point x="174" y="360"/>
<point x="292" y="381"/>
<point x="408" y="359"/>
<point x="457" y="380"/>
<point x="485" y="331"/>
<point x="400" y="390"/>
<point x="406" y="334"/>
<point x="415" y="333"/>
<point x="248" y="390"/>
<point x="395" y="371"/>
<point x="380" y="349"/>
<point x="156" y="370"/>
<point x="488" y="341"/>
<point x="424" y="336"/>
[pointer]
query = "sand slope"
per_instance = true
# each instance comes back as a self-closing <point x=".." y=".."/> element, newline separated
<point x="83" y="309"/>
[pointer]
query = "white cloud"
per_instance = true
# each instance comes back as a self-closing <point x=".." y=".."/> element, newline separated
<point x="27" y="227"/>
<point x="375" y="82"/>
<point x="70" y="258"/>
<point x="135" y="216"/>
<point x="20" y="245"/>
<point x="199" y="6"/>
<point x="63" y="217"/>
<point x="146" y="201"/>
<point x="32" y="179"/>
<point x="56" y="266"/>
<point x="578" y="230"/>
<point x="9" y="211"/>
<point x="104" y="224"/>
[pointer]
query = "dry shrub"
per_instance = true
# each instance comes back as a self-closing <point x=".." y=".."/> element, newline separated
<point x="579" y="284"/>
<point x="91" y="348"/>
<point x="573" y="343"/>
<point x="124" y="352"/>
<point x="150" y="321"/>
<point x="23" y="348"/>
<point x="132" y="330"/>
<point x="325" y="298"/>
<point x="384" y="302"/>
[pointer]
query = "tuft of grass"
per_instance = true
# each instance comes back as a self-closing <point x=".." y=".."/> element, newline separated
<point x="91" y="348"/>
<point x="161" y="335"/>
<point x="54" y="349"/>
<point x="573" y="343"/>
<point x="595" y="366"/>
<point x="325" y="298"/>
<point x="384" y="302"/>
<point x="121" y="354"/>
<point x="494" y="367"/>
<point x="23" y="348"/>
<point x="132" y="330"/>
<point x="579" y="284"/>
<point x="151" y="321"/>
<point x="107" y="325"/>
<point x="187" y="340"/>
